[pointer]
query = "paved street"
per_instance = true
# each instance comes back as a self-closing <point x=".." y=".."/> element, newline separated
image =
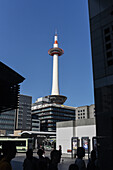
<point x="17" y="162"/>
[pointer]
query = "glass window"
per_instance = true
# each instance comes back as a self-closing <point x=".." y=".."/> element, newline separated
<point x="107" y="38"/>
<point x="110" y="62"/>
<point x="106" y="31"/>
<point x="108" y="46"/>
<point x="109" y="54"/>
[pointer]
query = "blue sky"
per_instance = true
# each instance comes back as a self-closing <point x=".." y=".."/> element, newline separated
<point x="26" y="34"/>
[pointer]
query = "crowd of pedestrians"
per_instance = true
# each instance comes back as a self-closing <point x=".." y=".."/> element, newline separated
<point x="43" y="162"/>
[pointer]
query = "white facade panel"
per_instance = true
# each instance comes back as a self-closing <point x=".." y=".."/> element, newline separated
<point x="89" y="130"/>
<point x="63" y="138"/>
<point x="86" y="131"/>
<point x="64" y="135"/>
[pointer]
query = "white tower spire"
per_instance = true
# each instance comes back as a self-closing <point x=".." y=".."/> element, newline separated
<point x="56" y="52"/>
<point x="55" y="82"/>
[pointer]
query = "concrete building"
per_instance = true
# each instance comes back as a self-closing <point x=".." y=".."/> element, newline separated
<point x="17" y="119"/>
<point x="35" y="123"/>
<point x="85" y="112"/>
<point x="24" y="113"/>
<point x="92" y="111"/>
<point x="7" y="122"/>
<point x="79" y="128"/>
<point x="49" y="113"/>
<point x="101" y="28"/>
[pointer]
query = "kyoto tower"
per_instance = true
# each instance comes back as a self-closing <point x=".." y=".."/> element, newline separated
<point x="55" y="96"/>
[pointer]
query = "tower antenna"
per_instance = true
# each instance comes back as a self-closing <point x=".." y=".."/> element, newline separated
<point x="55" y="31"/>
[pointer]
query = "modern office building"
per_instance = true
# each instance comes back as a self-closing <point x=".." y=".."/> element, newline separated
<point x="18" y="118"/>
<point x="35" y="123"/>
<point x="23" y="119"/>
<point x="101" y="28"/>
<point x="49" y="113"/>
<point x="85" y="112"/>
<point x="7" y="122"/>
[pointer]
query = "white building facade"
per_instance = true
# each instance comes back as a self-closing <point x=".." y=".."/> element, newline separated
<point x="79" y="128"/>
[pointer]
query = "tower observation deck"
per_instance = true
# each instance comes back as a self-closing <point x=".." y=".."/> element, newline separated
<point x="55" y="96"/>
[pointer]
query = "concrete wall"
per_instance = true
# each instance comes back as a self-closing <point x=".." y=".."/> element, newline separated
<point x="64" y="132"/>
<point x="92" y="111"/>
<point x="80" y="128"/>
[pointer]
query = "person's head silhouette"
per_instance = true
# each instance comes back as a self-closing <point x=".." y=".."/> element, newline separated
<point x="9" y="150"/>
<point x="40" y="153"/>
<point x="80" y="152"/>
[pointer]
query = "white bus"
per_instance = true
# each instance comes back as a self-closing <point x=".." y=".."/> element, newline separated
<point x="22" y="144"/>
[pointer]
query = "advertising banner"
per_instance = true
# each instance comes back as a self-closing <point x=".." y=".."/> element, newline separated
<point x="85" y="143"/>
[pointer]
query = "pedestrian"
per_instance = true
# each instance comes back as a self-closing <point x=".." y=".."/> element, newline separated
<point x="60" y="152"/>
<point x="54" y="159"/>
<point x="79" y="161"/>
<point x="1" y="156"/>
<point x="30" y="162"/>
<point x="73" y="167"/>
<point x="9" y="152"/>
<point x="44" y="162"/>
<point x="93" y="162"/>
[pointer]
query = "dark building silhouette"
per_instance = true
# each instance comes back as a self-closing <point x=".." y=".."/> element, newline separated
<point x="9" y="88"/>
<point x="101" y="27"/>
<point x="9" y="97"/>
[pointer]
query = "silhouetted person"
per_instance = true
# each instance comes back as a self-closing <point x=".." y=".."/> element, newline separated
<point x="60" y="152"/>
<point x="43" y="163"/>
<point x="38" y="146"/>
<point x="9" y="152"/>
<point x="43" y="151"/>
<point x="73" y="167"/>
<point x="1" y="156"/>
<point x="93" y="162"/>
<point x="79" y="161"/>
<point x="54" y="159"/>
<point x="30" y="162"/>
